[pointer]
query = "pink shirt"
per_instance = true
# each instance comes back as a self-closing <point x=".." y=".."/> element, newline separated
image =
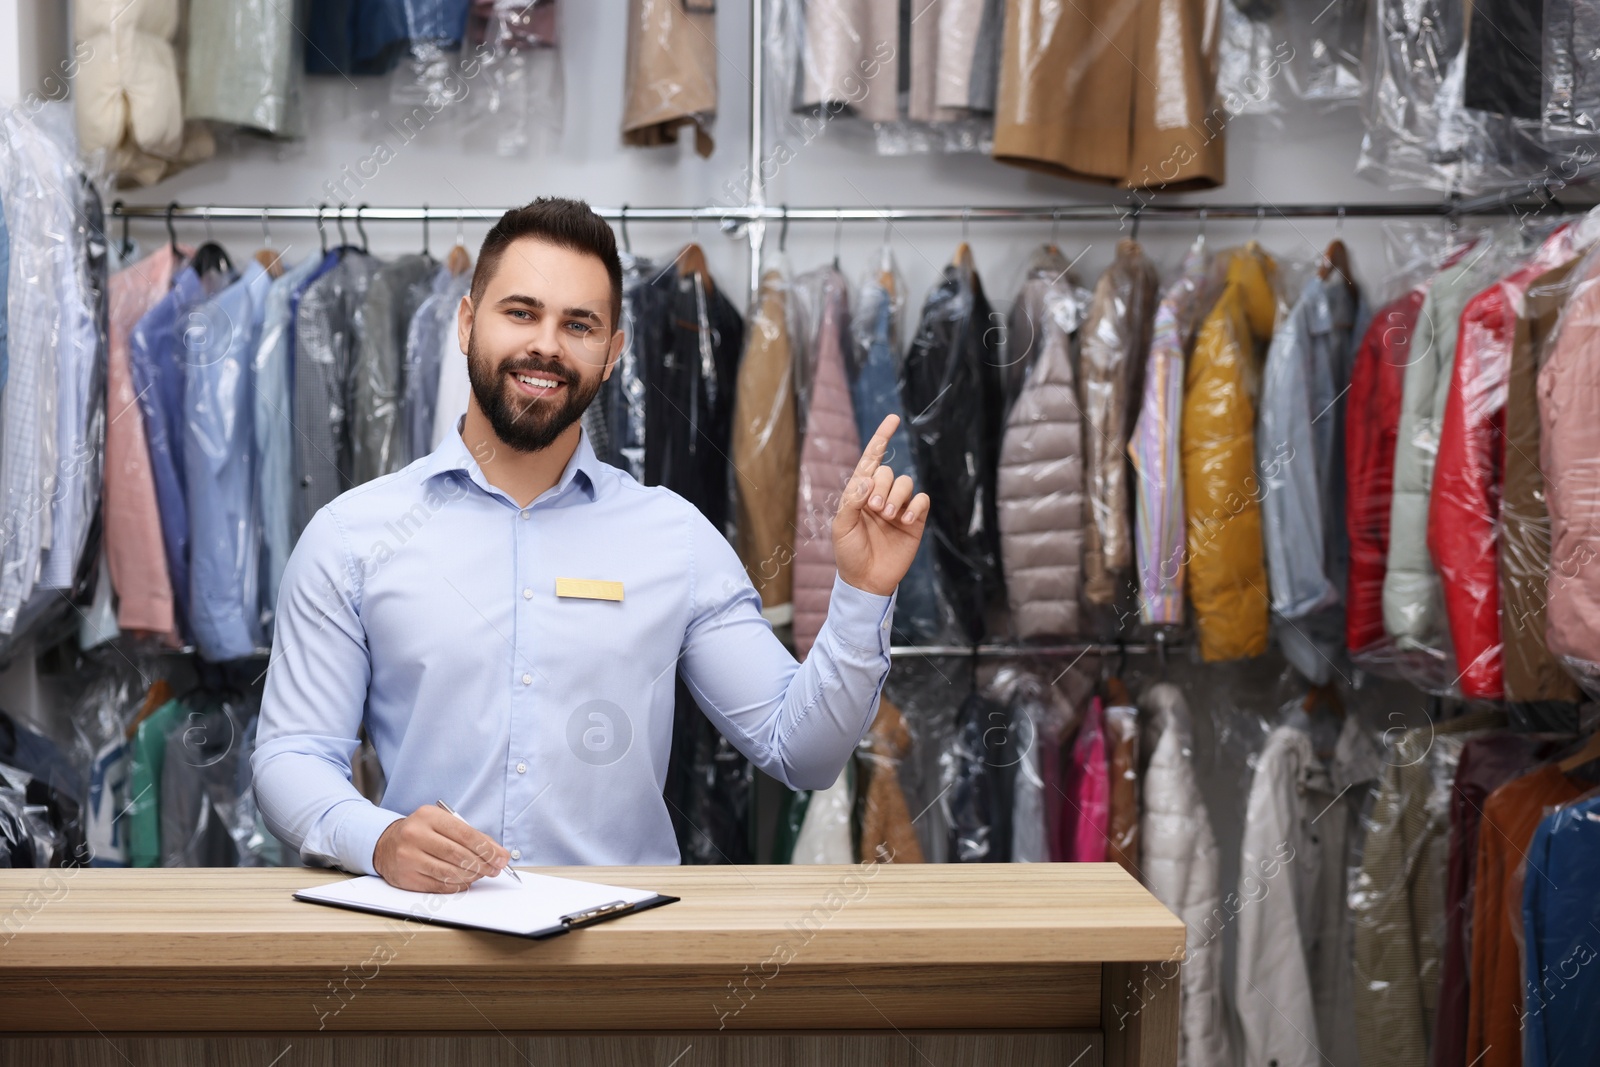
<point x="134" y="549"/>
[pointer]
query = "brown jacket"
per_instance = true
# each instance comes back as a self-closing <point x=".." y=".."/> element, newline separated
<point x="765" y="452"/>
<point x="1531" y="672"/>
<point x="885" y="818"/>
<point x="1117" y="91"/>
<point x="672" y="73"/>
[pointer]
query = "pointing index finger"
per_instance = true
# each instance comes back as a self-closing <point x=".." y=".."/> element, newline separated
<point x="872" y="457"/>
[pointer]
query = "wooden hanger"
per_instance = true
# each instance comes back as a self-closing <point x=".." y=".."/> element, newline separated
<point x="267" y="256"/>
<point x="159" y="693"/>
<point x="963" y="256"/>
<point x="460" y="260"/>
<point x="1587" y="754"/>
<point x="1337" y="258"/>
<point x="691" y="261"/>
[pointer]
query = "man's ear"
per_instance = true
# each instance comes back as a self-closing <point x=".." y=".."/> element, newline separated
<point x="613" y="351"/>
<point x="464" y="313"/>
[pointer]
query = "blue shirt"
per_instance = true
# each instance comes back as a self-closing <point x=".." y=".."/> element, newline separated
<point x="424" y="604"/>
<point x="218" y="442"/>
<point x="156" y="356"/>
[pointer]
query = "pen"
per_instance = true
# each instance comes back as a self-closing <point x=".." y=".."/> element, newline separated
<point x="509" y="869"/>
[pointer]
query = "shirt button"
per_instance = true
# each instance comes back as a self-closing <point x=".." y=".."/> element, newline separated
<point x="526" y="515"/>
<point x="522" y="768"/>
<point x="527" y="679"/>
<point x="527" y="594"/>
<point x="516" y="853"/>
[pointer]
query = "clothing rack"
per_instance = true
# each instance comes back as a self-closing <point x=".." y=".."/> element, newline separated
<point x="982" y="651"/>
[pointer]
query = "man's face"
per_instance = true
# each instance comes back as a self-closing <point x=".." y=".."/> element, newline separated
<point x="539" y="342"/>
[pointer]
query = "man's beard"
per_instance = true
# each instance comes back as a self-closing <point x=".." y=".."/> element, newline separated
<point x="524" y="423"/>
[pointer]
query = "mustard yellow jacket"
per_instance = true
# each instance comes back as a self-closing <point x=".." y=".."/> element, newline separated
<point x="1227" y="576"/>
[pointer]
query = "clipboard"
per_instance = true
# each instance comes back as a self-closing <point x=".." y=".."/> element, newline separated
<point x="539" y="907"/>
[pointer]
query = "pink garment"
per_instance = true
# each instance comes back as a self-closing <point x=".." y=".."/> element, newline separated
<point x="134" y="549"/>
<point x="1086" y="819"/>
<point x="1569" y="452"/>
<point x="827" y="459"/>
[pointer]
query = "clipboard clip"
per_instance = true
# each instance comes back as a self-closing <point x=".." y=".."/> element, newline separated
<point x="594" y="915"/>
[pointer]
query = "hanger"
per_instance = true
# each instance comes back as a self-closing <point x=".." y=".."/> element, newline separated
<point x="1055" y="230"/>
<point x="838" y="234"/>
<point x="1324" y="698"/>
<point x="692" y="262"/>
<point x="460" y="260"/>
<point x="158" y="694"/>
<point x="1137" y="212"/>
<point x="425" y="250"/>
<point x="1587" y="754"/>
<point x="627" y="245"/>
<point x="268" y="256"/>
<point x="362" y="230"/>
<point x="338" y="220"/>
<point x="886" y="258"/>
<point x="125" y="247"/>
<point x="1200" y="238"/>
<point x="322" y="235"/>
<point x="783" y="232"/>
<point x="209" y="258"/>
<point x="172" y="232"/>
<point x="1337" y="257"/>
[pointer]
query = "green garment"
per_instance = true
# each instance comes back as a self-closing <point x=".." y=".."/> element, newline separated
<point x="144" y="784"/>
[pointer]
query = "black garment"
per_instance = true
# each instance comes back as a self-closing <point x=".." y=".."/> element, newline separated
<point x="955" y="407"/>
<point x="1504" y="48"/>
<point x="55" y="784"/>
<point x="979" y="775"/>
<point x="708" y="789"/>
<point x="622" y="397"/>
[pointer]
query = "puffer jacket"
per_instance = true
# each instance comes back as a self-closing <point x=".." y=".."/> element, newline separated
<point x="1464" y="506"/>
<point x="1041" y="467"/>
<point x="1227" y="578"/>
<point x="827" y="459"/>
<point x="1376" y="383"/>
<point x="1412" y="600"/>
<point x="1531" y="672"/>
<point x="1569" y="452"/>
<point x="1116" y="339"/>
<point x="1300" y="456"/>
<point x="1181" y="865"/>
<point x="1153" y="448"/>
<point x="765" y="464"/>
<point x="955" y="404"/>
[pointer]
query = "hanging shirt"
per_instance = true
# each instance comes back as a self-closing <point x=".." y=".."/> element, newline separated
<point x="273" y="428"/>
<point x="421" y="374"/>
<point x="219" y="442"/>
<point x="157" y="350"/>
<point x="376" y="383"/>
<point x="424" y="607"/>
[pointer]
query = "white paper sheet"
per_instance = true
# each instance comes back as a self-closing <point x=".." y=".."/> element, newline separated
<point x="533" y="906"/>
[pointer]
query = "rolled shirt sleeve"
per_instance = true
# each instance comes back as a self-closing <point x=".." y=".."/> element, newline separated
<point x="799" y="722"/>
<point x="312" y="708"/>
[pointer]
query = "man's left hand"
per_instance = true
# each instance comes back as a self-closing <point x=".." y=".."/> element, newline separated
<point x="879" y="523"/>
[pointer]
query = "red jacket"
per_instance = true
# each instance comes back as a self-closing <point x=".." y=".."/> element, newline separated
<point x="1376" y="382"/>
<point x="1464" y="508"/>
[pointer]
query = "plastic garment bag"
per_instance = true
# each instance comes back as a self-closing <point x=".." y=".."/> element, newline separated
<point x="1276" y="53"/>
<point x="1560" y="914"/>
<point x="1464" y="508"/>
<point x="1115" y="344"/>
<point x="887" y="834"/>
<point x="1569" y="440"/>
<point x="672" y="72"/>
<point x="825" y="835"/>
<point x="1122" y="821"/>
<point x="1420" y="128"/>
<point x="1036" y="715"/>
<point x="1397" y="897"/>
<point x="377" y="383"/>
<point x="919" y="613"/>
<point x="199" y="783"/>
<point x="1226" y="576"/>
<point x="1086" y="791"/>
<point x="828" y="457"/>
<point x="434" y="320"/>
<point x="977" y="771"/>
<point x="515" y="73"/>
<point x="1180" y="864"/>
<point x="623" y="393"/>
<point x="765" y="453"/>
<point x="848" y="54"/>
<point x="954" y="404"/>
<point x="1041" y="474"/>
<point x="246" y="64"/>
<point x="1158" y="531"/>
<point x="1300" y="451"/>
<point x="1571" y="91"/>
<point x="1531" y="672"/>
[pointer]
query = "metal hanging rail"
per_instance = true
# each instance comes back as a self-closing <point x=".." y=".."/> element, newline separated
<point x="1109" y="648"/>
<point x="733" y="216"/>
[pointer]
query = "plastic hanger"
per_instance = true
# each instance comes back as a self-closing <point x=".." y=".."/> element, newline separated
<point x="125" y="247"/>
<point x="425" y="250"/>
<point x="838" y="234"/>
<point x="322" y="234"/>
<point x="210" y="258"/>
<point x="362" y="230"/>
<point x="459" y="260"/>
<point x="627" y="245"/>
<point x="268" y="256"/>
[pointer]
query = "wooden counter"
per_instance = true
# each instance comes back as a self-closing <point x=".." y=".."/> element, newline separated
<point x="768" y="964"/>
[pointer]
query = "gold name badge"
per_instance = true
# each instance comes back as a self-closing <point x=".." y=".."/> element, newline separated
<point x="588" y="589"/>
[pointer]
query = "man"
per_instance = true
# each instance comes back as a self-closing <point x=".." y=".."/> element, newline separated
<point x="508" y="615"/>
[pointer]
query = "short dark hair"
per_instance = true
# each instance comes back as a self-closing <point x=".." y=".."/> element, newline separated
<point x="570" y="224"/>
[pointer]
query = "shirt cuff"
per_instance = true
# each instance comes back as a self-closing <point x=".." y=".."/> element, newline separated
<point x="861" y="619"/>
<point x="358" y="833"/>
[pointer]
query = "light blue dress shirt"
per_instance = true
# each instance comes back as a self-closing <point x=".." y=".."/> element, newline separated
<point x="274" y="427"/>
<point x="224" y="564"/>
<point x="424" y="605"/>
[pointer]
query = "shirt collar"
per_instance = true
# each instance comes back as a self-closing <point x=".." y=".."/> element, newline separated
<point x="452" y="455"/>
